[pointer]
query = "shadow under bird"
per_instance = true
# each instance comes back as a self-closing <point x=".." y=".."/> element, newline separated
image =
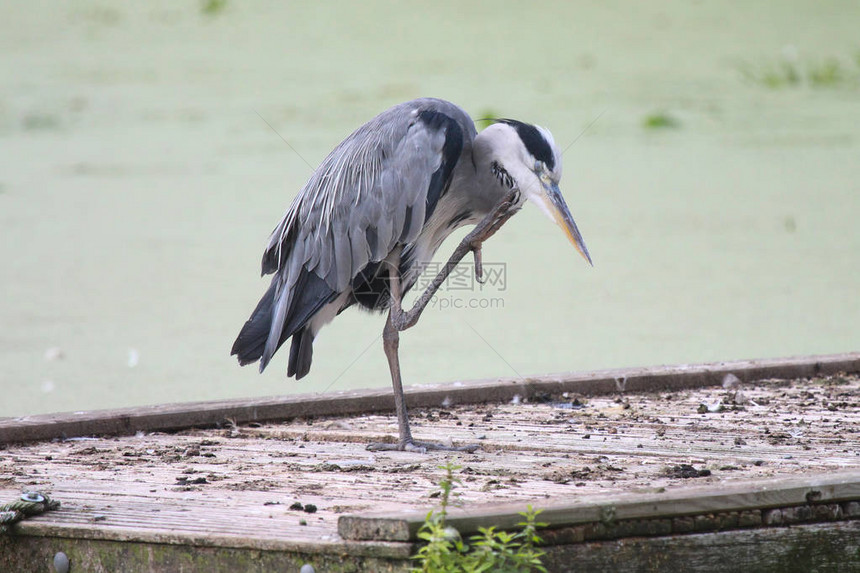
<point x="372" y="216"/>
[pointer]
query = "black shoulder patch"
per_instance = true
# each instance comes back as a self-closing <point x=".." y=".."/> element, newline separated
<point x="451" y="151"/>
<point x="533" y="140"/>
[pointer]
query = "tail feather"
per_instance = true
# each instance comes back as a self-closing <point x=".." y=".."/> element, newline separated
<point x="282" y="306"/>
<point x="301" y="353"/>
<point x="309" y="295"/>
<point x="251" y="341"/>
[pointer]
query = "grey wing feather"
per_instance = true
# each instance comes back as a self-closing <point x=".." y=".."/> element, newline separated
<point x="367" y="196"/>
<point x="372" y="181"/>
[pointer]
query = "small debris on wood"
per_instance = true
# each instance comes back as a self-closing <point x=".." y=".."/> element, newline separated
<point x="183" y="480"/>
<point x="685" y="471"/>
<point x="710" y="408"/>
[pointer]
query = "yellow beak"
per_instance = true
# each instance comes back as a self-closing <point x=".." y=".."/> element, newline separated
<point x="555" y="206"/>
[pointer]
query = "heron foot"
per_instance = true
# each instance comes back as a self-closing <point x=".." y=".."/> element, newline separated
<point x="505" y="211"/>
<point x="419" y="447"/>
<point x="479" y="266"/>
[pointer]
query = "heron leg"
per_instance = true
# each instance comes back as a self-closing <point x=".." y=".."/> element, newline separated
<point x="398" y="319"/>
<point x="391" y="345"/>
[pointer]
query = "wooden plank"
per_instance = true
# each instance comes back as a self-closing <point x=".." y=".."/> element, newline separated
<point x="126" y="421"/>
<point x="798" y="549"/>
<point x="610" y="508"/>
<point x="20" y="553"/>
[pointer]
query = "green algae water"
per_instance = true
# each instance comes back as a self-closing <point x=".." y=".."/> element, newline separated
<point x="147" y="149"/>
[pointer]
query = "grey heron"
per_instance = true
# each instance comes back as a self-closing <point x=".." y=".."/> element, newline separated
<point x="373" y="215"/>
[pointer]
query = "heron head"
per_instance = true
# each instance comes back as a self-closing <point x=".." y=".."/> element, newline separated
<point x="526" y="155"/>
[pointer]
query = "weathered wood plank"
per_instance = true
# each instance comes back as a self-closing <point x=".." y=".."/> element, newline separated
<point x="611" y="508"/>
<point x="126" y="421"/>
<point x="799" y="549"/>
<point x="146" y="556"/>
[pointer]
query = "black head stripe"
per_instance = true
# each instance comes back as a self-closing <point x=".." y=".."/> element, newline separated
<point x="534" y="141"/>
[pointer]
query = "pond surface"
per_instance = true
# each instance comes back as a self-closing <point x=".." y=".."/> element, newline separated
<point x="713" y="168"/>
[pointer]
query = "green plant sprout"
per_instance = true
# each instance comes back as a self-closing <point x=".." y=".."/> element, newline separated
<point x="489" y="550"/>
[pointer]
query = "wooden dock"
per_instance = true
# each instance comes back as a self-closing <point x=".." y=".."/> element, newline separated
<point x="743" y="466"/>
